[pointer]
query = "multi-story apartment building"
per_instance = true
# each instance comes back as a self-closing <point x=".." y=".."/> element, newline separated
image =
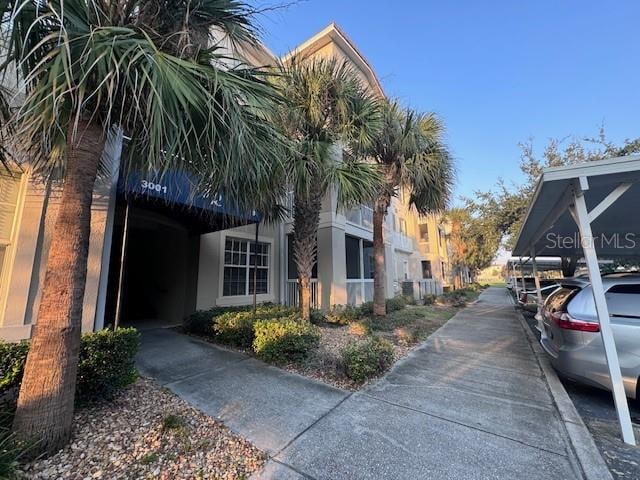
<point x="153" y="261"/>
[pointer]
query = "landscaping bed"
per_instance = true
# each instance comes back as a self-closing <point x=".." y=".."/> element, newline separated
<point x="345" y="347"/>
<point x="404" y="330"/>
<point x="147" y="432"/>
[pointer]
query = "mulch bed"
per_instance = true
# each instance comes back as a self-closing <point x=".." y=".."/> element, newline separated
<point x="405" y="332"/>
<point x="148" y="432"/>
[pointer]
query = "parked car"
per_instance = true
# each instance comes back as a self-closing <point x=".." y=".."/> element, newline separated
<point x="571" y="331"/>
<point x="528" y="282"/>
<point x="528" y="299"/>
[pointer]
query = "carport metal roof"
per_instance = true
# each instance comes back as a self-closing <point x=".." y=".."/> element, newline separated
<point x="589" y="209"/>
<point x="549" y="228"/>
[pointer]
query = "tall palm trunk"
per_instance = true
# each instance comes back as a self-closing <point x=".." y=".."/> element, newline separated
<point x="306" y="217"/>
<point x="45" y="403"/>
<point x="379" y="275"/>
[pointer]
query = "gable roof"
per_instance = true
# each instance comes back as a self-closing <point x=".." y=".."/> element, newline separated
<point x="333" y="33"/>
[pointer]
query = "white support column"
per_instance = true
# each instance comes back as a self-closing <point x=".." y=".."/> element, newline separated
<point x="515" y="278"/>
<point x="536" y="278"/>
<point x="591" y="258"/>
<point x="524" y="285"/>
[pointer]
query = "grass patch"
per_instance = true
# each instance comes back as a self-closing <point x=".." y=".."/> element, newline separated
<point x="172" y="422"/>
<point x="149" y="458"/>
<point x="418" y="316"/>
<point x="412" y="325"/>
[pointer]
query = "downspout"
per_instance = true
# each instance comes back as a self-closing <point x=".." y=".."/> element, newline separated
<point x="103" y="281"/>
<point x="255" y="269"/>
<point x="123" y="254"/>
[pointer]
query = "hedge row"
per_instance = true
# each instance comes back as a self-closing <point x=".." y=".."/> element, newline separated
<point x="275" y="333"/>
<point x="107" y="363"/>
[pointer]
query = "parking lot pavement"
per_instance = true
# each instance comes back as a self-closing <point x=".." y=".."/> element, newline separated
<point x="598" y="412"/>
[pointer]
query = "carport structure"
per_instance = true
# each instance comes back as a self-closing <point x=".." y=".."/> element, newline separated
<point x="589" y="210"/>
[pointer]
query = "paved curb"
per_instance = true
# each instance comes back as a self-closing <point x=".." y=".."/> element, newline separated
<point x="591" y="462"/>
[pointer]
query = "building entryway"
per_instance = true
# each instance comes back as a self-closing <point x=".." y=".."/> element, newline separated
<point x="158" y="282"/>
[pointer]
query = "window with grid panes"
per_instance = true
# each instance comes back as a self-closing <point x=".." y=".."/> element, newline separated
<point x="240" y="259"/>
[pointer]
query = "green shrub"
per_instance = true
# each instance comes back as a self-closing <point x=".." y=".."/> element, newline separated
<point x="409" y="299"/>
<point x="394" y="304"/>
<point x="457" y="298"/>
<point x="172" y="422"/>
<point x="343" y="314"/>
<point x="366" y="309"/>
<point x="107" y="363"/>
<point x="429" y="299"/>
<point x="12" y="359"/>
<point x="284" y="340"/>
<point x="200" y="322"/>
<point x="236" y="328"/>
<point x="11" y="453"/>
<point x="317" y="317"/>
<point x="367" y="359"/>
<point x="360" y="329"/>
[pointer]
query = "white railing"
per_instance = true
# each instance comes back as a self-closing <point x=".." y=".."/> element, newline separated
<point x="359" y="290"/>
<point x="292" y="293"/>
<point x="429" y="286"/>
<point x="402" y="242"/>
<point x="362" y="216"/>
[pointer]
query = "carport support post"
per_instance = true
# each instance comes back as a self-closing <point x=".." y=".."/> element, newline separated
<point x="584" y="226"/>
<point x="515" y="278"/>
<point x="524" y="285"/>
<point x="534" y="266"/>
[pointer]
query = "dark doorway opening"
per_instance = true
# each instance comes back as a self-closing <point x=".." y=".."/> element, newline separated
<point x="159" y="272"/>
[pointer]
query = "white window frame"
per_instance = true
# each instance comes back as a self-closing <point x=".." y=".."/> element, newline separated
<point x="6" y="269"/>
<point x="421" y="239"/>
<point x="361" y="281"/>
<point x="227" y="300"/>
<point x="402" y="225"/>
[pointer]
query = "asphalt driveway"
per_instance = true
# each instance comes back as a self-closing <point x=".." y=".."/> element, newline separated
<point x="471" y="403"/>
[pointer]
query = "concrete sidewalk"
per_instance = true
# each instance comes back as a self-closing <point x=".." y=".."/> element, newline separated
<point x="471" y="403"/>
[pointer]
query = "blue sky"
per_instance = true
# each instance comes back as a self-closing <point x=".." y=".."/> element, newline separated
<point x="497" y="72"/>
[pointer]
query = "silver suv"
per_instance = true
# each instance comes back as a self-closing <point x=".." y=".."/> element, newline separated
<point x="571" y="334"/>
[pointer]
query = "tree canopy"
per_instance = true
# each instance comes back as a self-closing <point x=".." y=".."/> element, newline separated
<point x="493" y="217"/>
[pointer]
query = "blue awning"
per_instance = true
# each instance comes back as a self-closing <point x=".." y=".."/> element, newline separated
<point x="175" y="191"/>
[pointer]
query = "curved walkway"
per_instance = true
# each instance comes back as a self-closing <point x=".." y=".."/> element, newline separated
<point x="471" y="403"/>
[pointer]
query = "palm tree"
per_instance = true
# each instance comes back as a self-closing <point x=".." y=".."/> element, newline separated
<point x="413" y="158"/>
<point x="328" y="112"/>
<point x="143" y="66"/>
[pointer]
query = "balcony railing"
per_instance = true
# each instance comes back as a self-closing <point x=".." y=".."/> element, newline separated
<point x="429" y="286"/>
<point x="292" y="293"/>
<point x="359" y="290"/>
<point x="403" y="242"/>
<point x="362" y="216"/>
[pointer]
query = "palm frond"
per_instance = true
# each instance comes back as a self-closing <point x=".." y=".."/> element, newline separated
<point x="411" y="151"/>
<point x="327" y="111"/>
<point x="183" y="109"/>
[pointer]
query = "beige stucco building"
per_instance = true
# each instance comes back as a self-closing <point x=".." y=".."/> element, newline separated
<point x="152" y="263"/>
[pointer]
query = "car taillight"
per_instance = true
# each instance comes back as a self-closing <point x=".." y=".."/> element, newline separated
<point x="566" y="322"/>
